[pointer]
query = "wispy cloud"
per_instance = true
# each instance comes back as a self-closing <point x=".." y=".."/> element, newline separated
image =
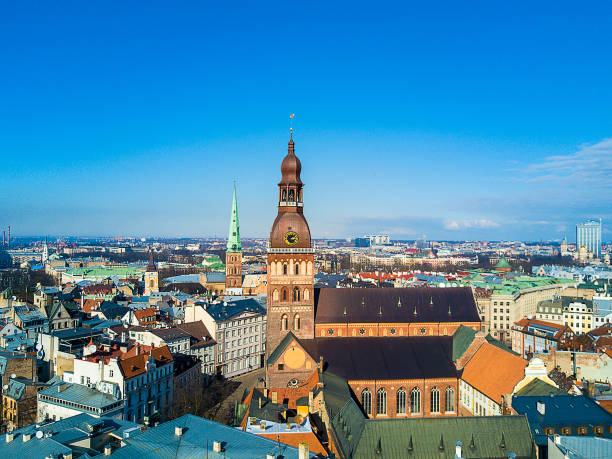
<point x="466" y="224"/>
<point x="590" y="166"/>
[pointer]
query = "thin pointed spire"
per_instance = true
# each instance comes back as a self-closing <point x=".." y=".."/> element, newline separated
<point x="503" y="441"/>
<point x="233" y="238"/>
<point x="472" y="444"/>
<point x="410" y="444"/>
<point x="441" y="446"/>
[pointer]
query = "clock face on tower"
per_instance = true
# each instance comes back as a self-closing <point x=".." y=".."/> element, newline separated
<point x="291" y="238"/>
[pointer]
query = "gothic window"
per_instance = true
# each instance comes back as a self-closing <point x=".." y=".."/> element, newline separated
<point x="297" y="322"/>
<point x="309" y="271"/>
<point x="296" y="294"/>
<point x="306" y="294"/>
<point x="275" y="295"/>
<point x="450" y="399"/>
<point x="285" y="269"/>
<point x="291" y="195"/>
<point x="284" y="195"/>
<point x="284" y="294"/>
<point x="366" y="401"/>
<point x="434" y="401"/>
<point x="415" y="401"/>
<point x="401" y="401"/>
<point x="284" y="322"/>
<point x="381" y="401"/>
<point x="297" y="269"/>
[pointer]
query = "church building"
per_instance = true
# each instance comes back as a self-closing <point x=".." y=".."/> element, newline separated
<point x="393" y="346"/>
<point x="151" y="276"/>
<point x="233" y="254"/>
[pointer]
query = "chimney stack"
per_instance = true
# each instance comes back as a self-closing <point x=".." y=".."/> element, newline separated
<point x="108" y="450"/>
<point x="178" y="431"/>
<point x="303" y="451"/>
<point x="9" y="437"/>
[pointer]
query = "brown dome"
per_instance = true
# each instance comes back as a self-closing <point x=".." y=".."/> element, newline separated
<point x="291" y="167"/>
<point x="286" y="222"/>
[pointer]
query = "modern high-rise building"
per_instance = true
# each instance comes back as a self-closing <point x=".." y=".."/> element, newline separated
<point x="588" y="235"/>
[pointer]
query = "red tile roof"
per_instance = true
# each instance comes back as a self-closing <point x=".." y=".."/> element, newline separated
<point x="134" y="366"/>
<point x="493" y="371"/>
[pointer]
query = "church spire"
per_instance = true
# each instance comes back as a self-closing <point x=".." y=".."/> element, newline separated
<point x="233" y="239"/>
<point x="151" y="266"/>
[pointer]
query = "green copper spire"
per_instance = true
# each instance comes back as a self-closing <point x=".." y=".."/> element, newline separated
<point x="233" y="239"/>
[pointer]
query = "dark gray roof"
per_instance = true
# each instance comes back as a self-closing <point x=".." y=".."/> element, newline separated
<point x="385" y="358"/>
<point x="222" y="312"/>
<point x="397" y="305"/>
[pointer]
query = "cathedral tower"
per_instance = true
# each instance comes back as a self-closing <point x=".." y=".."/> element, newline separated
<point x="151" y="276"/>
<point x="233" y="254"/>
<point x="290" y="261"/>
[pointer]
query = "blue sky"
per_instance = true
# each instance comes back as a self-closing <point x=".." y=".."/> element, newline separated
<point x="458" y="120"/>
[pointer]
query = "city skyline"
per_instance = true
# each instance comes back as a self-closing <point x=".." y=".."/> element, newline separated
<point x="457" y="137"/>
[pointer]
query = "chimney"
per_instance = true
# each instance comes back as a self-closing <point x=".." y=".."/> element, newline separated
<point x="178" y="431"/>
<point x="9" y="437"/>
<point x="458" y="450"/>
<point x="108" y="450"/>
<point x="67" y="455"/>
<point x="217" y="447"/>
<point x="26" y="437"/>
<point x="123" y="338"/>
<point x="303" y="452"/>
<point x="541" y="407"/>
<point x="557" y="439"/>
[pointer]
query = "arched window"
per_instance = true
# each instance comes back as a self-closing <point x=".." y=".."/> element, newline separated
<point x="284" y="322"/>
<point x="434" y="402"/>
<point x="284" y="294"/>
<point x="275" y="294"/>
<point x="297" y="322"/>
<point x="381" y="401"/>
<point x="415" y="400"/>
<point x="297" y="269"/>
<point x="366" y="401"/>
<point x="306" y="294"/>
<point x="284" y="195"/>
<point x="450" y="399"/>
<point x="401" y="401"/>
<point x="296" y="294"/>
<point x="285" y="269"/>
<point x="291" y="195"/>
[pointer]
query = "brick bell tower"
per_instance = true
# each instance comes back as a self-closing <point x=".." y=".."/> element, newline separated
<point x="290" y="261"/>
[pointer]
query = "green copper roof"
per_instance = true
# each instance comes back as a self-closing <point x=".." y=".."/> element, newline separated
<point x="462" y="338"/>
<point x="539" y="388"/>
<point x="503" y="263"/>
<point x="233" y="239"/>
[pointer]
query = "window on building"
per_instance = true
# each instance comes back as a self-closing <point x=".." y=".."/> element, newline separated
<point x="284" y="322"/>
<point x="297" y="269"/>
<point x="285" y="268"/>
<point x="415" y="401"/>
<point x="366" y="401"/>
<point x="435" y="400"/>
<point x="381" y="401"/>
<point x="296" y="294"/>
<point x="297" y="322"/>
<point x="401" y="401"/>
<point x="450" y="399"/>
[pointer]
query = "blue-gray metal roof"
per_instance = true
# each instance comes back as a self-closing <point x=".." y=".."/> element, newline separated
<point x="77" y="393"/>
<point x="224" y="311"/>
<point x="569" y="411"/>
<point x="197" y="442"/>
<point x="57" y="432"/>
<point x="585" y="447"/>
